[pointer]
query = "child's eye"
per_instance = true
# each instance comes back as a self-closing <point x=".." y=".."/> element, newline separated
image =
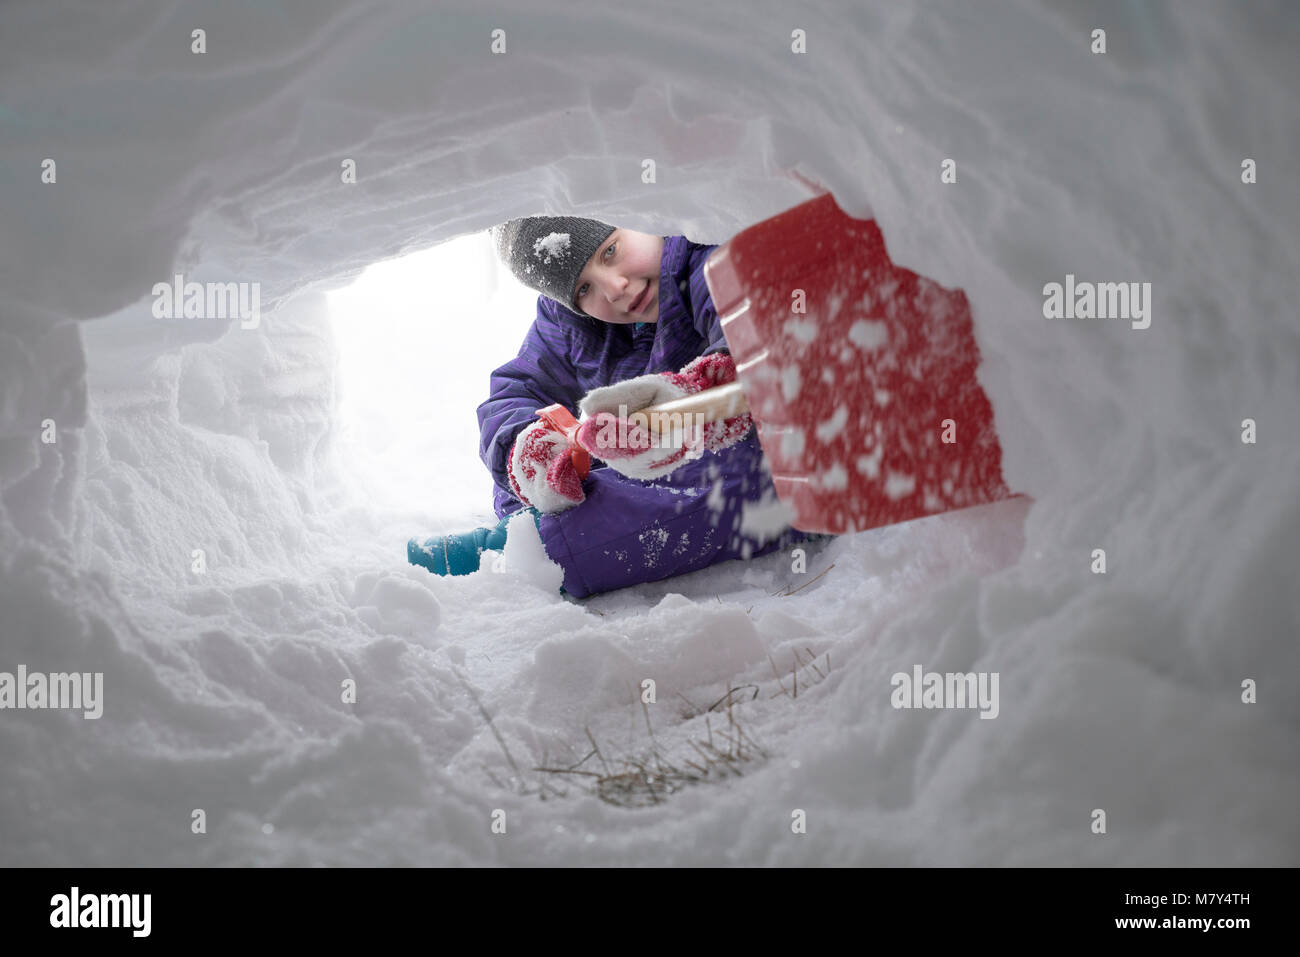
<point x="583" y="288"/>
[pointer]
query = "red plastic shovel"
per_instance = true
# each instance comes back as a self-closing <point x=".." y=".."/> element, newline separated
<point x="859" y="374"/>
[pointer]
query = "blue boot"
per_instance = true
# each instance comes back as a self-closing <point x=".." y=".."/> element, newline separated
<point x="460" y="554"/>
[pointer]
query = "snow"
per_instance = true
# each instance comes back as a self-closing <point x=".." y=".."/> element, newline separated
<point x="790" y="383"/>
<point x="792" y="441"/>
<point x="552" y="246"/>
<point x="830" y="428"/>
<point x="869" y="465"/>
<point x="766" y="519"/>
<point x="201" y="533"/>
<point x="898" y="485"/>
<point x="868" y="334"/>
<point x="524" y="558"/>
<point x="836" y="476"/>
<point x="803" y="331"/>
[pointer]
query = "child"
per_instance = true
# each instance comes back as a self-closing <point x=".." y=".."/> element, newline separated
<point x="624" y="321"/>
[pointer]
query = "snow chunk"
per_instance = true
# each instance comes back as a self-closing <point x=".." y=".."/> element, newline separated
<point x="792" y="442"/>
<point x="716" y="500"/>
<point x="766" y="520"/>
<point x="674" y="600"/>
<point x="868" y="333"/>
<point x="899" y="486"/>
<point x="525" y="557"/>
<point x="804" y="330"/>
<point x="790" y="383"/>
<point x="398" y="604"/>
<point x="836" y="477"/>
<point x="869" y="465"/>
<point x="554" y="246"/>
<point x="831" y="427"/>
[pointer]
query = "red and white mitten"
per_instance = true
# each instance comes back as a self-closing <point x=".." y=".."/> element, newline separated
<point x="707" y="371"/>
<point x="541" y="470"/>
<point x="632" y="449"/>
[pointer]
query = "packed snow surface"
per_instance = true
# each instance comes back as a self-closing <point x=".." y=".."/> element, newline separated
<point x="199" y="531"/>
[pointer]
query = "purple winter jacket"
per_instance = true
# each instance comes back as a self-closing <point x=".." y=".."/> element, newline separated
<point x="629" y="531"/>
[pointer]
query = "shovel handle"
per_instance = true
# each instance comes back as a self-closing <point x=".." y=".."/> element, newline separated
<point x="716" y="404"/>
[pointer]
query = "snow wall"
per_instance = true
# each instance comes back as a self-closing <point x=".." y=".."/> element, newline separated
<point x="1120" y="691"/>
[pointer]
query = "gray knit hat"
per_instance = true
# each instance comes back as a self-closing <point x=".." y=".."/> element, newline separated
<point x="548" y="253"/>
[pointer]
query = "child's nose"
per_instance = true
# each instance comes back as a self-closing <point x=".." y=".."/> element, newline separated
<point x="615" y="288"/>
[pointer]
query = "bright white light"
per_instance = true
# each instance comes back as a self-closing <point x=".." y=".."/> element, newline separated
<point x="417" y="339"/>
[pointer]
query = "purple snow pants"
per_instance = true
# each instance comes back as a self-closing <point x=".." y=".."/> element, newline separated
<point x="629" y="531"/>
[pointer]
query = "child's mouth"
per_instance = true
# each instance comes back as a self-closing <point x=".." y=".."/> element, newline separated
<point x="641" y="299"/>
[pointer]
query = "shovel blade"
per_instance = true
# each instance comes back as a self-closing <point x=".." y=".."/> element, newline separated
<point x="859" y="374"/>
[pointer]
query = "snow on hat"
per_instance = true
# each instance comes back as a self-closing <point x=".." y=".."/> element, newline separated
<point x="548" y="253"/>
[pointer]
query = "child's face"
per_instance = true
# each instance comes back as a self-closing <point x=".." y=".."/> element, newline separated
<point x="623" y="269"/>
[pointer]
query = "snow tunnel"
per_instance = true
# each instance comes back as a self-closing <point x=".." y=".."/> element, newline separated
<point x="180" y="514"/>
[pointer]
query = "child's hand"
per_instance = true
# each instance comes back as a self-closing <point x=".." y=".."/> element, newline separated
<point x="541" y="470"/>
<point x="630" y="395"/>
<point x="633" y="450"/>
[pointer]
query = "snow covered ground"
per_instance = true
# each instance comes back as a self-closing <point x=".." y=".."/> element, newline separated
<point x="223" y="689"/>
